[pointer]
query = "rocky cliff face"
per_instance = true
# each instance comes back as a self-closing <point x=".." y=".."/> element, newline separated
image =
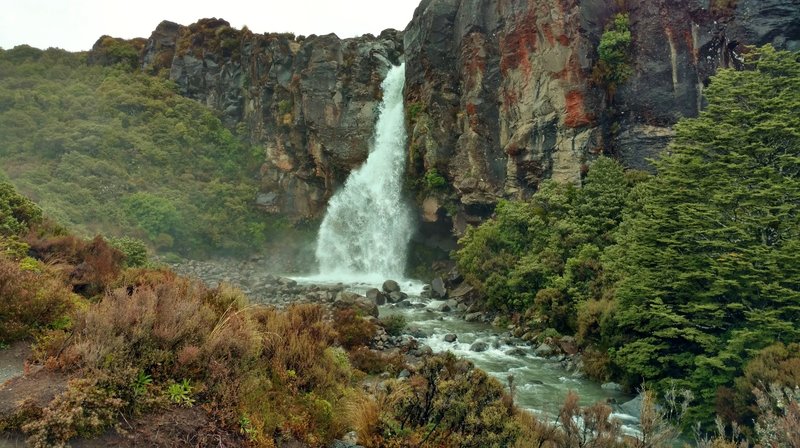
<point x="499" y="93"/>
<point x="310" y="102"/>
<point x="503" y="98"/>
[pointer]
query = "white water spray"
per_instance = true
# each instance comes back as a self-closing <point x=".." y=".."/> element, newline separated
<point x="367" y="227"/>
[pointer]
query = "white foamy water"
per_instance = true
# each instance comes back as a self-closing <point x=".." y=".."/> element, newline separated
<point x="365" y="233"/>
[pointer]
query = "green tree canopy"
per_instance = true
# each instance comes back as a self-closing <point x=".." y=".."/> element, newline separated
<point x="710" y="255"/>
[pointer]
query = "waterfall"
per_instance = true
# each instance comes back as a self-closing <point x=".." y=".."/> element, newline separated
<point x="365" y="233"/>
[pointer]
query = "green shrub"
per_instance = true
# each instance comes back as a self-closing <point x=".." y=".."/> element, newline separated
<point x="394" y="324"/>
<point x="135" y="251"/>
<point x="414" y="109"/>
<point x="17" y="213"/>
<point x="614" y="65"/>
<point x="434" y="181"/>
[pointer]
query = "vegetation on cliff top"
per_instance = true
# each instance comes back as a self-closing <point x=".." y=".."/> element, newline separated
<point x="106" y="150"/>
<point x="685" y="279"/>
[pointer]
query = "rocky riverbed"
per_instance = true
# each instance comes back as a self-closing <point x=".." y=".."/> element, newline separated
<point x="443" y="315"/>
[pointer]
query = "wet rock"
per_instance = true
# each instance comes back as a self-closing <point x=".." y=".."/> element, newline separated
<point x="438" y="290"/>
<point x="416" y="332"/>
<point x="346" y="299"/>
<point x="397" y="296"/>
<point x="450" y="337"/>
<point x="444" y="308"/>
<point x="423" y="350"/>
<point x="283" y="281"/>
<point x="463" y="293"/>
<point x="479" y="347"/>
<point x="390" y="286"/>
<point x="474" y="317"/>
<point x="517" y="352"/>
<point x="454" y="277"/>
<point x="376" y="296"/>
<point x="568" y="345"/>
<point x="611" y="386"/>
<point x="633" y="407"/>
<point x="545" y="350"/>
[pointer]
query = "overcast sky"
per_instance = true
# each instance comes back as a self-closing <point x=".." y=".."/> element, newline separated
<point x="76" y="24"/>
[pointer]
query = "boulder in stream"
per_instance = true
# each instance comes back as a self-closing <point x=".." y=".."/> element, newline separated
<point x="376" y="296"/>
<point x="479" y="347"/>
<point x="611" y="386"/>
<point x="390" y="286"/>
<point x="438" y="290"/>
<point x="450" y="337"/>
<point x="346" y="299"/>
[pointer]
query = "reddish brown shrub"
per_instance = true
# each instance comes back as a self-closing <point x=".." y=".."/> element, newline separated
<point x="93" y="265"/>
<point x="354" y="331"/>
<point x="31" y="301"/>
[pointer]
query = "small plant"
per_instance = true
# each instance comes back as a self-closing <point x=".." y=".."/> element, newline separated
<point x="414" y="109"/>
<point x="284" y="107"/>
<point x="394" y="324"/>
<point x="181" y="393"/>
<point x="434" y="180"/>
<point x="246" y="428"/>
<point x="140" y="384"/>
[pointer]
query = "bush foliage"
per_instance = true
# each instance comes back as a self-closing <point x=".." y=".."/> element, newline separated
<point x="107" y="150"/>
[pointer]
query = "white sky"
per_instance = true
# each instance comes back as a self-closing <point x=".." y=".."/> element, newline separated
<point x="76" y="24"/>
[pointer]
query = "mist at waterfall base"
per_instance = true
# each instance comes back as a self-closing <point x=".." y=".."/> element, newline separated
<point x="366" y="230"/>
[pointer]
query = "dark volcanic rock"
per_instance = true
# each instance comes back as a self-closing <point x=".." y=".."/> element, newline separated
<point x="505" y="95"/>
<point x="479" y="347"/>
<point x="390" y="286"/>
<point x="310" y="102"/>
<point x="438" y="290"/>
<point x="501" y="92"/>
<point x="376" y="296"/>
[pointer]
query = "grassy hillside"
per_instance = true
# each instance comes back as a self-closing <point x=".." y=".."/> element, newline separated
<point x="106" y="150"/>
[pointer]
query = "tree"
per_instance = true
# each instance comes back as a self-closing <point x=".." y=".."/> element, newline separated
<point x="709" y="258"/>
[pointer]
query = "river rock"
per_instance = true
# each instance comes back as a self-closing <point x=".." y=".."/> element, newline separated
<point x="438" y="290"/>
<point x="444" y="308"/>
<point x="397" y="296"/>
<point x="376" y="296"/>
<point x="454" y="277"/>
<point x="462" y="293"/>
<point x="545" y="350"/>
<point x="633" y="407"/>
<point x="517" y="352"/>
<point x="423" y="350"/>
<point x="346" y="299"/>
<point x="479" y="347"/>
<point x="390" y="286"/>
<point x="568" y="345"/>
<point x="284" y="281"/>
<point x="473" y="317"/>
<point x="611" y="386"/>
<point x="450" y="337"/>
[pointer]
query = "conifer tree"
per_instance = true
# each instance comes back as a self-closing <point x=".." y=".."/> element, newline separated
<point x="710" y="255"/>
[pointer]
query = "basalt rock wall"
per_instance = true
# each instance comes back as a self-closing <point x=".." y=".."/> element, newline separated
<point x="309" y="102"/>
<point x="499" y="94"/>
<point x="503" y="96"/>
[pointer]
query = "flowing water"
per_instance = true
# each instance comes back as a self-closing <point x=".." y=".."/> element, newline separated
<point x="367" y="227"/>
<point x="363" y="241"/>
